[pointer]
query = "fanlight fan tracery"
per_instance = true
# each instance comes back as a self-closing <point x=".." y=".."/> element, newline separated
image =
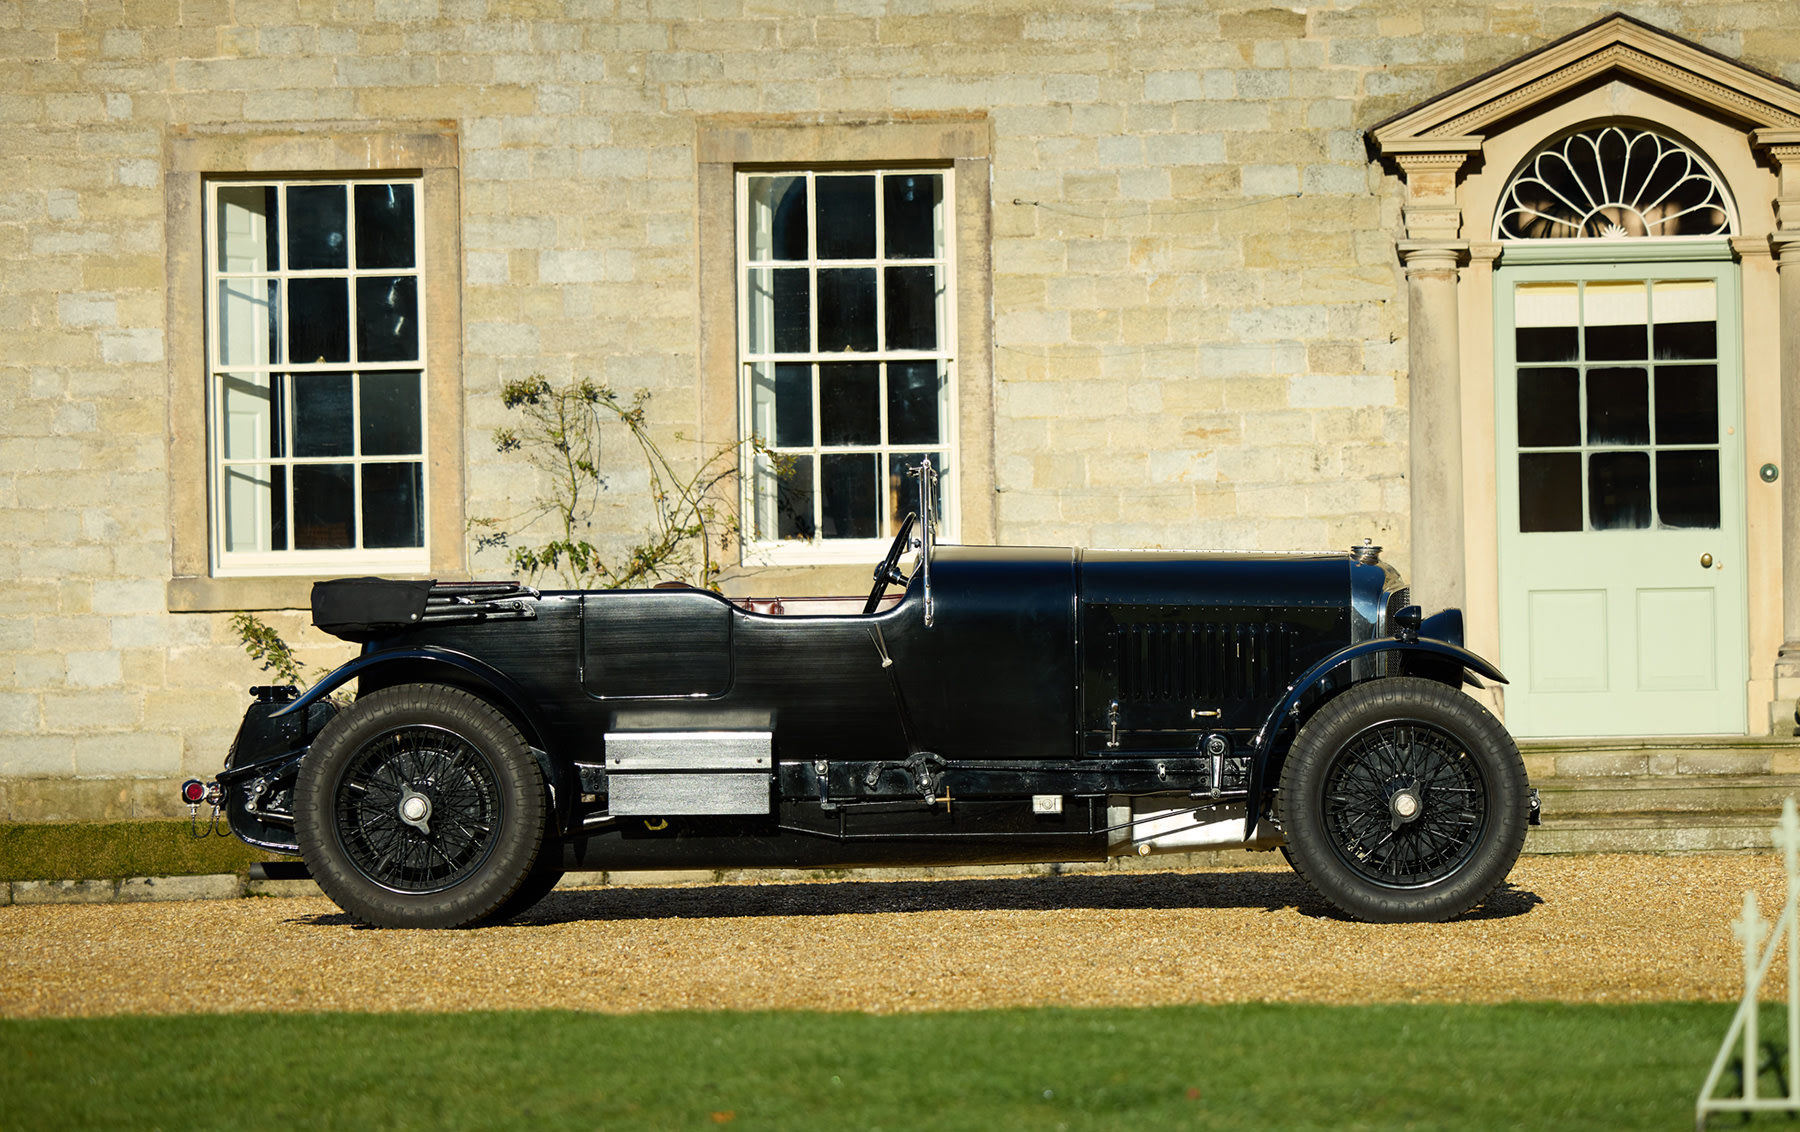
<point x="1612" y="183"/>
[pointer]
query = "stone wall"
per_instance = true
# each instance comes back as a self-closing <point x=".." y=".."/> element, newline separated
<point x="1198" y="324"/>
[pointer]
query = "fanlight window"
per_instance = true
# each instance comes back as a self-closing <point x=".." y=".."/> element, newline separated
<point x="1612" y="183"/>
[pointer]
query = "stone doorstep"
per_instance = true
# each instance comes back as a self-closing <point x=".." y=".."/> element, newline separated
<point x="1666" y="794"/>
<point x="1597" y="758"/>
<point x="1733" y="834"/>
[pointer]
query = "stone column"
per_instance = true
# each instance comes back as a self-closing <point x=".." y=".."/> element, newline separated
<point x="1431" y="252"/>
<point x="1783" y="147"/>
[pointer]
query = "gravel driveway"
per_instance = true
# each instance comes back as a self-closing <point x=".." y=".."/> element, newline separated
<point x="1590" y="929"/>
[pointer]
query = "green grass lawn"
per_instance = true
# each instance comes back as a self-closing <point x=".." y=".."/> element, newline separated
<point x="96" y="850"/>
<point x="1229" y="1067"/>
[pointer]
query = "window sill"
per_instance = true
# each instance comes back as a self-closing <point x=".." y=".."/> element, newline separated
<point x="229" y="595"/>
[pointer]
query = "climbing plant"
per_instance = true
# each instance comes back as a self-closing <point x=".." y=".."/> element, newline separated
<point x="559" y="431"/>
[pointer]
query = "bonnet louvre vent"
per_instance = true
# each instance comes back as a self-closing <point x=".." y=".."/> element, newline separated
<point x="1199" y="661"/>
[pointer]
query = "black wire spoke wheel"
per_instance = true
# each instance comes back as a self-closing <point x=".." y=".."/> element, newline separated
<point x="441" y="776"/>
<point x="1405" y="803"/>
<point x="422" y="806"/>
<point x="1403" y="799"/>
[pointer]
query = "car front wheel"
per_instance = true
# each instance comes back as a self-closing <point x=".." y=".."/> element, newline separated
<point x="1404" y="800"/>
<point x="420" y="806"/>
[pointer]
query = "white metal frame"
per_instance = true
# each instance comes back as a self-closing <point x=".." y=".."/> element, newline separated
<point x="283" y="562"/>
<point x="818" y="549"/>
<point x="1751" y="929"/>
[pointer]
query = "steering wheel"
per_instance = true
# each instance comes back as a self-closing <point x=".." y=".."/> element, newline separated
<point x="889" y="570"/>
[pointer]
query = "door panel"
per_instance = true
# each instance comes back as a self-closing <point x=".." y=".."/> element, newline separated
<point x="1621" y="500"/>
<point x="1568" y="640"/>
<point x="1679" y="615"/>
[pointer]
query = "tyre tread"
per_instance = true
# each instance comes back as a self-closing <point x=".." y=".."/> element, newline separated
<point x="521" y="782"/>
<point x="1508" y="804"/>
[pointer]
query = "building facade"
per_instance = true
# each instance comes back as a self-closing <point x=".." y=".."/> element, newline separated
<point x="1509" y="290"/>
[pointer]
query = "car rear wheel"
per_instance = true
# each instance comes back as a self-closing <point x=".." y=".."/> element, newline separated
<point x="1404" y="800"/>
<point x="420" y="806"/>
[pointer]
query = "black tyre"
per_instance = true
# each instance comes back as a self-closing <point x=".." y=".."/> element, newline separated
<point x="1404" y="800"/>
<point x="420" y="807"/>
<point x="536" y="887"/>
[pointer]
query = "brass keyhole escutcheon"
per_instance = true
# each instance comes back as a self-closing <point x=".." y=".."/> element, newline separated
<point x="1706" y="561"/>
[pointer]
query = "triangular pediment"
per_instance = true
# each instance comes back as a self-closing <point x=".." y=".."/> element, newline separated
<point x="1617" y="46"/>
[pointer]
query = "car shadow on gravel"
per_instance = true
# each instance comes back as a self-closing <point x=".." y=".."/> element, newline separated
<point x="1264" y="891"/>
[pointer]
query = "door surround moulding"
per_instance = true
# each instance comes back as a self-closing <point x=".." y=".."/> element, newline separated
<point x="1447" y="151"/>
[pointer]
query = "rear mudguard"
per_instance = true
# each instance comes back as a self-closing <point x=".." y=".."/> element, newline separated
<point x="462" y="670"/>
<point x="1275" y="728"/>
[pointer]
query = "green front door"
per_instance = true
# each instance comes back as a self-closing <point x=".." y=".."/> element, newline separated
<point x="1622" y="562"/>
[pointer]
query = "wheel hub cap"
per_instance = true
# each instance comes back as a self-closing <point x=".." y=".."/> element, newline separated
<point x="1405" y="804"/>
<point x="415" y="810"/>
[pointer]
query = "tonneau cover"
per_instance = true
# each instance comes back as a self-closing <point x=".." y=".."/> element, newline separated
<point x="361" y="609"/>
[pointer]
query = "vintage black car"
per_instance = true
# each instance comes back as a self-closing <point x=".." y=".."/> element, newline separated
<point x="1005" y="704"/>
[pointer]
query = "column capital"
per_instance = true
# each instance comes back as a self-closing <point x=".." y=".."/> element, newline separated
<point x="1422" y="256"/>
<point x="1784" y="245"/>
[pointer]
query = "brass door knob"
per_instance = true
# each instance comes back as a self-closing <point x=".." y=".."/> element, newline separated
<point x="1706" y="561"/>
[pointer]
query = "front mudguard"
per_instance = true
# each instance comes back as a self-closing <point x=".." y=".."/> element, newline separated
<point x="1438" y="658"/>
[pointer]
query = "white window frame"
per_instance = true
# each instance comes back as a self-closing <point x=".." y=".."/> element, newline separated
<point x="288" y="563"/>
<point x="818" y="550"/>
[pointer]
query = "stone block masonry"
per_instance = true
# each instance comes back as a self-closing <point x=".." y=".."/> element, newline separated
<point x="1197" y="319"/>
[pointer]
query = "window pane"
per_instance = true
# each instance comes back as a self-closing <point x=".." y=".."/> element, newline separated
<point x="322" y="418"/>
<point x="1619" y="490"/>
<point x="1687" y="340"/>
<point x="249" y="329"/>
<point x="390" y="424"/>
<point x="903" y="489"/>
<point x="1687" y="315"/>
<point x="785" y="501"/>
<point x="278" y="508"/>
<point x="777" y="218"/>
<point x="384" y="226"/>
<point x="1687" y="488"/>
<point x="848" y="495"/>
<point x="918" y="403"/>
<point x="779" y="321"/>
<point x="1546" y="343"/>
<point x="913" y="295"/>
<point x="850" y="403"/>
<point x="318" y="320"/>
<point x="317" y="227"/>
<point x="324" y="507"/>
<point x="317" y="237"/>
<point x="781" y="404"/>
<point x="1549" y="408"/>
<point x="846" y="217"/>
<point x="252" y="408"/>
<point x="387" y="318"/>
<point x="1546" y="317"/>
<point x="1550" y="491"/>
<point x="792" y="403"/>
<point x="846" y="309"/>
<point x="247" y="225"/>
<point x="1616" y="315"/>
<point x="1687" y="404"/>
<point x="910" y="208"/>
<point x="254" y="495"/>
<point x="393" y="505"/>
<point x="1618" y="406"/>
